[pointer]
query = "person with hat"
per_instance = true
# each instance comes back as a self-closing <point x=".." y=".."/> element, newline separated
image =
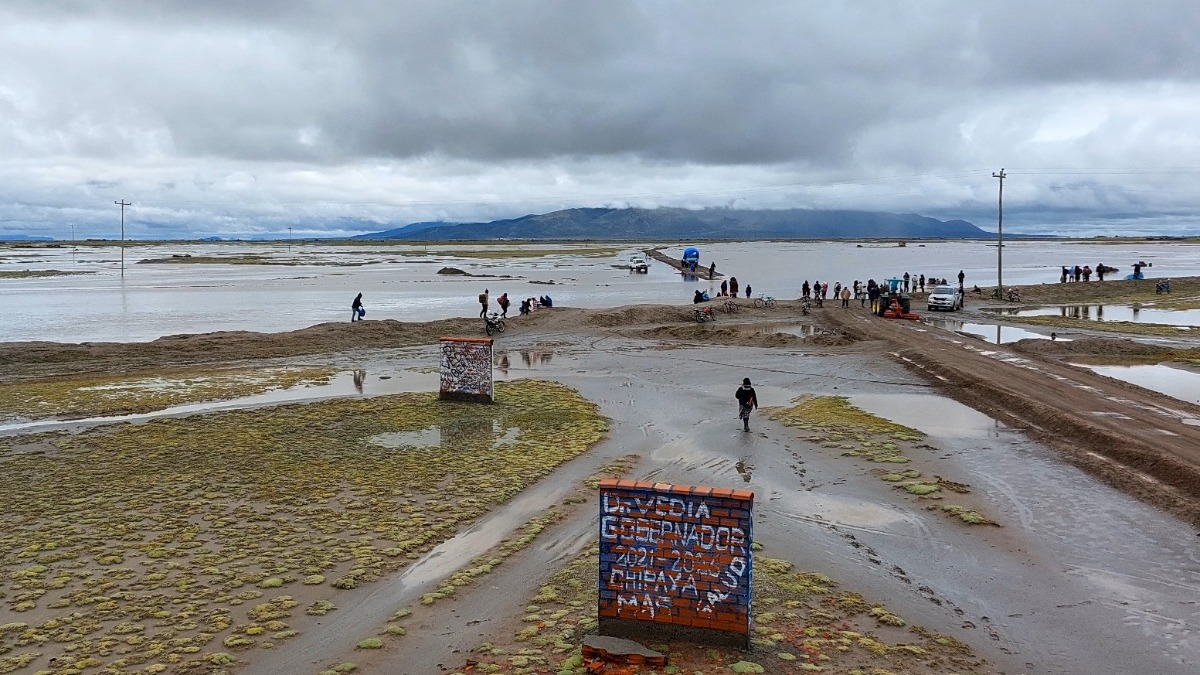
<point x="747" y="401"/>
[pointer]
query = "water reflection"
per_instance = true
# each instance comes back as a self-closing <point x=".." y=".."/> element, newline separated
<point x="993" y="333"/>
<point x="1135" y="313"/>
<point x="1174" y="382"/>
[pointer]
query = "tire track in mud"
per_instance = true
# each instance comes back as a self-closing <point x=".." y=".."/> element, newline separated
<point x="1134" y="439"/>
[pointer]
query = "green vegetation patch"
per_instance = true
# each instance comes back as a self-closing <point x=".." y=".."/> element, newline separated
<point x="803" y="622"/>
<point x="197" y="528"/>
<point x="836" y="424"/>
<point x="34" y="274"/>
<point x="834" y="419"/>
<point x="118" y="394"/>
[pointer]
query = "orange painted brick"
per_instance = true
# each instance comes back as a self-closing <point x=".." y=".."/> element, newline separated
<point x="722" y="492"/>
<point x="608" y="483"/>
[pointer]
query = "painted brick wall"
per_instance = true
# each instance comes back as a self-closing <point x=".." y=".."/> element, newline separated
<point x="466" y="370"/>
<point x="676" y="554"/>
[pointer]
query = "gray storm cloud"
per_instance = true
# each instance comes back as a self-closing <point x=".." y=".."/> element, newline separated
<point x="250" y="117"/>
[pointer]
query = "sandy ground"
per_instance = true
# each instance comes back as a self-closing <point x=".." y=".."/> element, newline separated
<point x="1093" y="569"/>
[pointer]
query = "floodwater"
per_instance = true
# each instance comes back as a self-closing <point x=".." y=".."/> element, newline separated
<point x="316" y="282"/>
<point x="930" y="414"/>
<point x="1175" y="382"/>
<point x="1132" y="313"/>
<point x="993" y="333"/>
<point x="349" y="383"/>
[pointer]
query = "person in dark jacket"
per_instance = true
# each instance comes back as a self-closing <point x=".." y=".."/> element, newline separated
<point x="355" y="307"/>
<point x="747" y="401"/>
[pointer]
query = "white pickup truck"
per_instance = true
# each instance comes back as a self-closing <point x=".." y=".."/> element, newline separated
<point x="945" y="297"/>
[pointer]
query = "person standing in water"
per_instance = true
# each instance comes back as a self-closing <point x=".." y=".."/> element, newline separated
<point x="747" y="401"/>
<point x="355" y="307"/>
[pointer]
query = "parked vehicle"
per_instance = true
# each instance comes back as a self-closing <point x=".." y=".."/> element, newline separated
<point x="704" y="314"/>
<point x="638" y="263"/>
<point x="945" y="297"/>
<point x="1163" y="286"/>
<point x="493" y="324"/>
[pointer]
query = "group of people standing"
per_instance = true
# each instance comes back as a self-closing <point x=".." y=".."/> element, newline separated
<point x="527" y="305"/>
<point x="1076" y="273"/>
<point x="730" y="288"/>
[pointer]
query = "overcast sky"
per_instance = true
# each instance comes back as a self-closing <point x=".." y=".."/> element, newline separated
<point x="247" y="117"/>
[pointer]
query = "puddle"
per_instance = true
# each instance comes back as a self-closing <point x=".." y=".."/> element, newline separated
<point x="745" y="470"/>
<point x="993" y="333"/>
<point x="1174" y="382"/>
<point x="1131" y="313"/>
<point x="799" y="330"/>
<point x="347" y="383"/>
<point x="529" y="359"/>
<point x="930" y="414"/>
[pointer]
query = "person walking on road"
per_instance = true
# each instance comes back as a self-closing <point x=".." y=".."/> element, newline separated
<point x="355" y="308"/>
<point x="747" y="401"/>
<point x="483" y="300"/>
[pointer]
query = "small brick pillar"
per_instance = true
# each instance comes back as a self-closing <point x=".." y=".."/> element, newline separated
<point x="674" y="556"/>
<point x="466" y="369"/>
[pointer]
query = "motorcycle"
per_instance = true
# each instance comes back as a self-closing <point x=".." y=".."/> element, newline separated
<point x="805" y="306"/>
<point x="702" y="315"/>
<point x="1163" y="286"/>
<point x="493" y="323"/>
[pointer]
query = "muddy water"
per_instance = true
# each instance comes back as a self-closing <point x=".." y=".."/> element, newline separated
<point x="1034" y="590"/>
<point x="1176" y="382"/>
<point x="993" y="333"/>
<point x="1132" y="313"/>
<point x="1080" y="578"/>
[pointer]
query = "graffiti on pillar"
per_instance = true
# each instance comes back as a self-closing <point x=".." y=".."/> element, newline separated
<point x="676" y="554"/>
<point x="467" y="370"/>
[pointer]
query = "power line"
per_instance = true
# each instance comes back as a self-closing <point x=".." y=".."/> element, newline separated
<point x="123" y="204"/>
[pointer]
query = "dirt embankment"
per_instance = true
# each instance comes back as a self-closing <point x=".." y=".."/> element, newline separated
<point x="24" y="359"/>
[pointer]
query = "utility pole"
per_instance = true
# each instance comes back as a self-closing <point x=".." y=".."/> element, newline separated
<point x="123" y="204"/>
<point x="289" y="240"/>
<point x="1000" y="237"/>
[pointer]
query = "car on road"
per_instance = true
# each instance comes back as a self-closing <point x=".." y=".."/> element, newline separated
<point x="945" y="297"/>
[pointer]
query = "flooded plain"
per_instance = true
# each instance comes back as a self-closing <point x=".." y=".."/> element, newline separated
<point x="290" y="287"/>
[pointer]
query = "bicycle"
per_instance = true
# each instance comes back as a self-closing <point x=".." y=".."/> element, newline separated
<point x="765" y="301"/>
<point x="729" y="307"/>
<point x="492" y="323"/>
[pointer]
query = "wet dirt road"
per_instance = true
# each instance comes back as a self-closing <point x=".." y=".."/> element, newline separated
<point x="1081" y="578"/>
<point x="1146" y="443"/>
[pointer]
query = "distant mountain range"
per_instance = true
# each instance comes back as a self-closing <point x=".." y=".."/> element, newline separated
<point x="672" y="223"/>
